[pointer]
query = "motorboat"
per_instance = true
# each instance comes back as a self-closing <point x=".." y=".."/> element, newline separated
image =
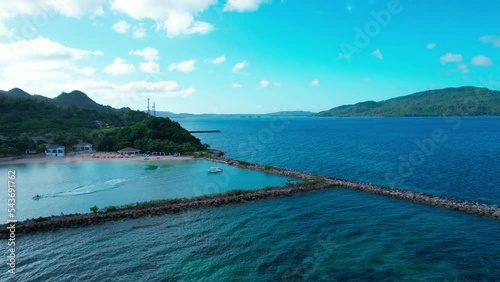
<point x="215" y="169"/>
<point x="36" y="197"/>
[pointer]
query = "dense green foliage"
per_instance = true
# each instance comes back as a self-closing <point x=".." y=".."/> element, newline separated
<point x="74" y="117"/>
<point x="153" y="134"/>
<point x="80" y="100"/>
<point x="25" y="115"/>
<point x="462" y="101"/>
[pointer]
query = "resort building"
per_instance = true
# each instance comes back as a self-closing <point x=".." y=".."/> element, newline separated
<point x="129" y="151"/>
<point x="55" y="150"/>
<point x="82" y="147"/>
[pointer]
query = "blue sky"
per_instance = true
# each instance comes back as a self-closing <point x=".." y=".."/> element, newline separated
<point x="247" y="56"/>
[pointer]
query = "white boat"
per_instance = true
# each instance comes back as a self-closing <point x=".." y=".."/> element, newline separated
<point x="215" y="169"/>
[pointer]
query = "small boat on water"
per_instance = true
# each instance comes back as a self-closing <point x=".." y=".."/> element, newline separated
<point x="215" y="169"/>
<point x="36" y="197"/>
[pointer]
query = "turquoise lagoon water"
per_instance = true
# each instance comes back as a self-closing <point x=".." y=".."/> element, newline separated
<point x="75" y="187"/>
<point x="331" y="235"/>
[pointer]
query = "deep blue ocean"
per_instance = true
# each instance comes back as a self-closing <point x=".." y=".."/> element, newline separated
<point x="330" y="235"/>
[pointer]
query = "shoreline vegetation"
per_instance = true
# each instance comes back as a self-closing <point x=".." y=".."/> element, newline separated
<point x="310" y="182"/>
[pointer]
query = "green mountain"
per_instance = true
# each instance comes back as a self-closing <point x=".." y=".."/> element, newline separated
<point x="18" y="93"/>
<point x="80" y="100"/>
<point x="33" y="117"/>
<point x="461" y="101"/>
<point x="73" y="116"/>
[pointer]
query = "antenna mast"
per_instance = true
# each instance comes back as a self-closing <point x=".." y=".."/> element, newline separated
<point x="148" y="108"/>
<point x="154" y="108"/>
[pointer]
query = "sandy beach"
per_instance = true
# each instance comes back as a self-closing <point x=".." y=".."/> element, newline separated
<point x="95" y="157"/>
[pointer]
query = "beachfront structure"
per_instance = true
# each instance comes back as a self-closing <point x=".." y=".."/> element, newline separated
<point x="82" y="147"/>
<point x="55" y="150"/>
<point x="129" y="151"/>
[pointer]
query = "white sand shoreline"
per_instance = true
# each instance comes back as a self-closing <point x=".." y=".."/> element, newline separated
<point x="88" y="157"/>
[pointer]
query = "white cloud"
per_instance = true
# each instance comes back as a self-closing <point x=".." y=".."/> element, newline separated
<point x="39" y="61"/>
<point x="42" y="9"/>
<point x="139" y="32"/>
<point x="182" y="23"/>
<point x="377" y="54"/>
<point x="218" y="60"/>
<point x="175" y="17"/>
<point x="494" y="40"/>
<point x="121" y="26"/>
<point x="482" y="61"/>
<point x="243" y="5"/>
<point x="264" y="83"/>
<point x="315" y="82"/>
<point x="148" y="54"/>
<point x="88" y="71"/>
<point x="185" y="66"/>
<point x="119" y="67"/>
<point x="41" y="48"/>
<point x="450" y="58"/>
<point x="157" y="89"/>
<point x="76" y="8"/>
<point x="462" y="68"/>
<point x="236" y="85"/>
<point x="239" y="66"/>
<point x="430" y="45"/>
<point x="150" y="67"/>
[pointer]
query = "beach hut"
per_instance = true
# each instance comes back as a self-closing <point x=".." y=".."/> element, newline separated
<point x="129" y="151"/>
<point x="55" y="150"/>
<point x="82" y="147"/>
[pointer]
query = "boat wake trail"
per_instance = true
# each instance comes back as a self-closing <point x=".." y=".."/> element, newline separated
<point x="88" y="189"/>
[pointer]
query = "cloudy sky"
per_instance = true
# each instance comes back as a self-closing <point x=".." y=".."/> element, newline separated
<point x="247" y="56"/>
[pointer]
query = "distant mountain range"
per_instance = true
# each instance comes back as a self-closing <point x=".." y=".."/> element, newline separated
<point x="75" y="98"/>
<point x="186" y="115"/>
<point x="461" y="101"/>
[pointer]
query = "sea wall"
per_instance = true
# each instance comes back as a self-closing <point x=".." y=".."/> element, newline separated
<point x="312" y="182"/>
<point x="471" y="207"/>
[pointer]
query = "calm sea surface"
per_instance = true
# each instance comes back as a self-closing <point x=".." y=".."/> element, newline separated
<point x="333" y="235"/>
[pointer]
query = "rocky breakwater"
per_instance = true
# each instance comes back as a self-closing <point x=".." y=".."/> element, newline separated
<point x="470" y="207"/>
<point x="310" y="182"/>
<point x="55" y="222"/>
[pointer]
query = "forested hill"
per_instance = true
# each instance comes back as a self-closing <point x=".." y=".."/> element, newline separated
<point x="74" y="117"/>
<point x="74" y="98"/>
<point x="461" y="101"/>
<point x="24" y="113"/>
<point x="34" y="117"/>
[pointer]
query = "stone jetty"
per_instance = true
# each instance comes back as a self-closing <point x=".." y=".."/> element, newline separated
<point x="417" y="197"/>
<point x="311" y="182"/>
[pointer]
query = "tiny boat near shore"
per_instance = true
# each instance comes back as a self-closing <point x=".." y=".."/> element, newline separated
<point x="36" y="197"/>
<point x="215" y="169"/>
